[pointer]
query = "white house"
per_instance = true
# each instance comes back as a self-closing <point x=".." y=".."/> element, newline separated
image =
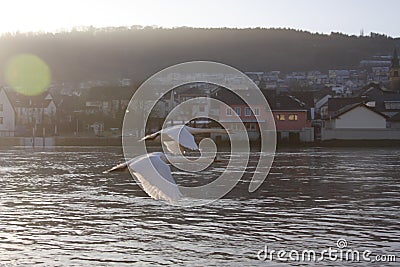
<point x="357" y="116"/>
<point x="34" y="109"/>
<point x="7" y="115"/>
<point x="359" y="122"/>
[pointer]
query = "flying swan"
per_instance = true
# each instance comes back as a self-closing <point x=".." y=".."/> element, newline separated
<point x="154" y="175"/>
<point x="180" y="137"/>
<point x="152" y="169"/>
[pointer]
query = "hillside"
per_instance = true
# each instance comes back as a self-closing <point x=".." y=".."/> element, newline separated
<point x="136" y="52"/>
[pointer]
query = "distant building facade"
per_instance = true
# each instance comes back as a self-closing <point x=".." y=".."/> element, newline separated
<point x="34" y="112"/>
<point x="249" y="117"/>
<point x="293" y="119"/>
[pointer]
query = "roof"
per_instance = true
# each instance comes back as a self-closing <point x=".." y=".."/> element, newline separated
<point x="7" y="95"/>
<point x="353" y="106"/>
<point x="228" y="97"/>
<point x="373" y="86"/>
<point x="306" y="97"/>
<point x="22" y="101"/>
<point x="231" y="98"/>
<point x="337" y="103"/>
<point x="380" y="95"/>
<point x="289" y="102"/>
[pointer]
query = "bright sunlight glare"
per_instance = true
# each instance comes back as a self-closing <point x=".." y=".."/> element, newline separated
<point x="27" y="74"/>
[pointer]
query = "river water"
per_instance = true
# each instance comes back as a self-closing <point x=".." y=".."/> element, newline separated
<point x="58" y="209"/>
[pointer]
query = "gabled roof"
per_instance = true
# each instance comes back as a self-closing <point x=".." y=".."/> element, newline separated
<point x="353" y="106"/>
<point x="5" y="92"/>
<point x="231" y="98"/>
<point x="337" y="103"/>
<point x="9" y="100"/>
<point x="380" y="95"/>
<point x="22" y="101"/>
<point x="305" y="97"/>
<point x="374" y="87"/>
<point x="289" y="102"/>
<point x="228" y="97"/>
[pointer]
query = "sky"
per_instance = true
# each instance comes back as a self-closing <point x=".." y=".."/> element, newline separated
<point x="346" y="16"/>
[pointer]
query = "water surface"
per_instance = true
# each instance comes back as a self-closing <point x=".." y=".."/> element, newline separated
<point x="57" y="208"/>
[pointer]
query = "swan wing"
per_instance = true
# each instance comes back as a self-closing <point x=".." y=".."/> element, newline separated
<point x="155" y="177"/>
<point x="182" y="136"/>
<point x="173" y="147"/>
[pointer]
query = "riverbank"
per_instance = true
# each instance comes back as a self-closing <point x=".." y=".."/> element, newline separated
<point x="117" y="141"/>
<point x="60" y="141"/>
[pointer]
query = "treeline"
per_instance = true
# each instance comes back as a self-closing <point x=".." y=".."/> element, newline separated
<point x="137" y="52"/>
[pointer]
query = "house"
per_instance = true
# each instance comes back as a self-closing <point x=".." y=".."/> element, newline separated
<point x="292" y="119"/>
<point x="358" y="122"/>
<point x="201" y="93"/>
<point x="384" y="100"/>
<point x="33" y="111"/>
<point x="195" y="94"/>
<point x="356" y="116"/>
<point x="108" y="100"/>
<point x="250" y="116"/>
<point x="7" y="115"/>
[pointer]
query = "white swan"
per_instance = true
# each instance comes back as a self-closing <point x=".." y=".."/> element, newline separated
<point x="154" y="175"/>
<point x="152" y="170"/>
<point x="180" y="136"/>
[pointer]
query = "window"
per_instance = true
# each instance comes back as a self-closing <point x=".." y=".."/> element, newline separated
<point x="293" y="117"/>
<point x="235" y="127"/>
<point x="247" y="111"/>
<point x="201" y="109"/>
<point x="229" y="112"/>
<point x="1" y="107"/>
<point x="256" y="111"/>
<point x="280" y="117"/>
<point x="237" y="110"/>
<point x="1" y="120"/>
<point x="392" y="104"/>
<point x="251" y="126"/>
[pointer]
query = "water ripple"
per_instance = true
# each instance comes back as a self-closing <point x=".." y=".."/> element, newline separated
<point x="57" y="208"/>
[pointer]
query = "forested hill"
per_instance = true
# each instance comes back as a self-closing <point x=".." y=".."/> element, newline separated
<point x="112" y="53"/>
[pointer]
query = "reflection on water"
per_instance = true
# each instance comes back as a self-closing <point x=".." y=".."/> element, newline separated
<point x="57" y="208"/>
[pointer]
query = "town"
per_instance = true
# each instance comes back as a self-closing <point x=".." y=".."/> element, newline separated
<point x="308" y="106"/>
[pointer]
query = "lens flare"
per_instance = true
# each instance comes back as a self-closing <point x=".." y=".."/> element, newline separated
<point x="27" y="74"/>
